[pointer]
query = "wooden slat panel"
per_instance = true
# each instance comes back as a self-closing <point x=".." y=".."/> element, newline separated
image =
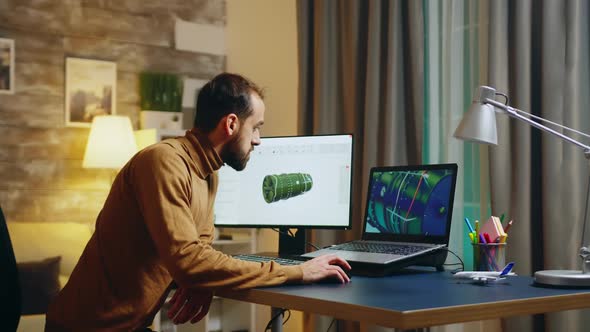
<point x="42" y="16"/>
<point x="31" y="110"/>
<point x="37" y="78"/>
<point x="52" y="205"/>
<point x="127" y="87"/>
<point x="53" y="175"/>
<point x="43" y="143"/>
<point x="156" y="29"/>
<point x="70" y="18"/>
<point x="41" y="178"/>
<point x="131" y="110"/>
<point x="36" y="47"/>
<point x="137" y="58"/>
<point x="10" y="152"/>
<point x="198" y="11"/>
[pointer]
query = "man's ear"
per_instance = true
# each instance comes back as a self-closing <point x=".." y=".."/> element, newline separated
<point x="231" y="124"/>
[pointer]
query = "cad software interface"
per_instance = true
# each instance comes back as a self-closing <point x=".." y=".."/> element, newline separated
<point x="409" y="202"/>
<point x="291" y="181"/>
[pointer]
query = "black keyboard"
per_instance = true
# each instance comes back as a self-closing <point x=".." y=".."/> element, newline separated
<point x="380" y="248"/>
<point x="260" y="258"/>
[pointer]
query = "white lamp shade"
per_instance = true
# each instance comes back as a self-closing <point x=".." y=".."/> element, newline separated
<point x="111" y="142"/>
<point x="478" y="125"/>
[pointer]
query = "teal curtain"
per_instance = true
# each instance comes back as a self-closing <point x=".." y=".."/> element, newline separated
<point x="451" y="72"/>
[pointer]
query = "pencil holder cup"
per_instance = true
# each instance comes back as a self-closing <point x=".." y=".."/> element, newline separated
<point x="489" y="256"/>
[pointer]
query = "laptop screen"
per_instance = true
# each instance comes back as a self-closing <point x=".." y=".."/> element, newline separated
<point x="410" y="203"/>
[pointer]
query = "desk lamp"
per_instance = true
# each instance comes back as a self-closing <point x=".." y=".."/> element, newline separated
<point x="110" y="143"/>
<point x="479" y="125"/>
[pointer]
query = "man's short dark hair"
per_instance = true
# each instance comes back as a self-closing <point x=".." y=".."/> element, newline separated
<point x="225" y="94"/>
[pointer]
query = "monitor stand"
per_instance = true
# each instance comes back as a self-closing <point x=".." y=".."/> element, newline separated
<point x="290" y="246"/>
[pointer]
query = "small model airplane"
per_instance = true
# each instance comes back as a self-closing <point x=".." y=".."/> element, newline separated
<point x="484" y="277"/>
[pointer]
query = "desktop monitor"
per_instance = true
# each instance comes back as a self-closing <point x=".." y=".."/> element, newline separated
<point x="289" y="182"/>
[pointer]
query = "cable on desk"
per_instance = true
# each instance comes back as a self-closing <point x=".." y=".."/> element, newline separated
<point x="288" y="317"/>
<point x="459" y="258"/>
<point x="276" y="316"/>
<point x="293" y="235"/>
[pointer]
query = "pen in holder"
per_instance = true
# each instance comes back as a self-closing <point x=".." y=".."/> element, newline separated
<point x="489" y="256"/>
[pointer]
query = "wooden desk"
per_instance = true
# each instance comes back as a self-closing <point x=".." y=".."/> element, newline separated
<point x="418" y="299"/>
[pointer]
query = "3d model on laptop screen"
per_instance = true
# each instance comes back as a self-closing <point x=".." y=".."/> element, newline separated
<point x="409" y="202"/>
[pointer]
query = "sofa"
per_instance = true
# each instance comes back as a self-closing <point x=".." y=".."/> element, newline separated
<point x="46" y="254"/>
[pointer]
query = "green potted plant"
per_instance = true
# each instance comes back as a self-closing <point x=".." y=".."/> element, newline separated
<point x="161" y="100"/>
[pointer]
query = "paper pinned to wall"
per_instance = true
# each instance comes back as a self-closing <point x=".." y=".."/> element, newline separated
<point x="189" y="94"/>
<point x="202" y="38"/>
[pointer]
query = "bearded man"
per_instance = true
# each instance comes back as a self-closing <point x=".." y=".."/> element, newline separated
<point x="156" y="226"/>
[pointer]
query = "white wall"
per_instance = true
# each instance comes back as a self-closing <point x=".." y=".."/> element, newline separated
<point x="261" y="41"/>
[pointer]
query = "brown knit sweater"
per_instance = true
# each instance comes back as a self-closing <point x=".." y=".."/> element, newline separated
<point x="156" y="227"/>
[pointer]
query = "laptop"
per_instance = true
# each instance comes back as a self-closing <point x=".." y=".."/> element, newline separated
<point x="407" y="219"/>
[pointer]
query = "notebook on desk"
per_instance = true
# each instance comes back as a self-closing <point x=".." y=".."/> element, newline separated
<point x="407" y="217"/>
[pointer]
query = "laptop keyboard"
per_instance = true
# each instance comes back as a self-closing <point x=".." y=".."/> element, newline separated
<point x="259" y="258"/>
<point x="380" y="248"/>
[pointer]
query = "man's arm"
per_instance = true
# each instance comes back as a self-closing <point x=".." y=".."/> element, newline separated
<point x="164" y="185"/>
<point x="193" y="305"/>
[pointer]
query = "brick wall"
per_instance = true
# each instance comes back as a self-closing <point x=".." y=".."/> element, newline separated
<point x="41" y="174"/>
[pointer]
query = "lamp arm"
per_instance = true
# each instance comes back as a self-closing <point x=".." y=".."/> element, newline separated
<point x="513" y="113"/>
<point x="543" y="120"/>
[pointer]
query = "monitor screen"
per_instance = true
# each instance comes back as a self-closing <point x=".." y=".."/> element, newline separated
<point x="296" y="181"/>
<point x="410" y="203"/>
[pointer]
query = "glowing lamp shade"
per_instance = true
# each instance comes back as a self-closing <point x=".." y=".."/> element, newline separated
<point x="111" y="142"/>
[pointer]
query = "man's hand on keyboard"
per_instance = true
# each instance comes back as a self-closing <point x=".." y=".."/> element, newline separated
<point x="189" y="304"/>
<point x="325" y="267"/>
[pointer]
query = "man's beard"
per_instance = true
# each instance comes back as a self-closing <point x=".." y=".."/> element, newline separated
<point x="233" y="157"/>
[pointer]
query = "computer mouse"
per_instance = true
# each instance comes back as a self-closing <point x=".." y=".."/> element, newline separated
<point x="334" y="279"/>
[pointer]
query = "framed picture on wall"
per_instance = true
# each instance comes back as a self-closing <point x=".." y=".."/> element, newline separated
<point x="91" y="87"/>
<point x="6" y="65"/>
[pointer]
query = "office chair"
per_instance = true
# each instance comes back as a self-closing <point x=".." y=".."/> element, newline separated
<point x="10" y="289"/>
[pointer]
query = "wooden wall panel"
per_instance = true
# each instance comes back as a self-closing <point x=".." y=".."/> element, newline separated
<point x="137" y="57"/>
<point x="46" y="16"/>
<point x="199" y="11"/>
<point x="40" y="78"/>
<point x="131" y="110"/>
<point x="52" y="205"/>
<point x="36" y="47"/>
<point x="41" y="174"/>
<point x="128" y="87"/>
<point x="152" y="30"/>
<point x="31" y="110"/>
<point x="54" y="175"/>
<point x="37" y="143"/>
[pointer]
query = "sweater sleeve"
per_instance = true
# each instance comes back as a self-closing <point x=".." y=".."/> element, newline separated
<point x="162" y="182"/>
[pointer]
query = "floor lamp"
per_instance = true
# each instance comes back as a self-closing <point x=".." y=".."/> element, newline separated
<point x="479" y="125"/>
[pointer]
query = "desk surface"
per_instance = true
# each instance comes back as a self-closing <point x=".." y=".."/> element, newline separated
<point x="418" y="299"/>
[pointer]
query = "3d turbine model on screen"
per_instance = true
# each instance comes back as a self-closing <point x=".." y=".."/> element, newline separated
<point x="410" y="202"/>
<point x="284" y="186"/>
